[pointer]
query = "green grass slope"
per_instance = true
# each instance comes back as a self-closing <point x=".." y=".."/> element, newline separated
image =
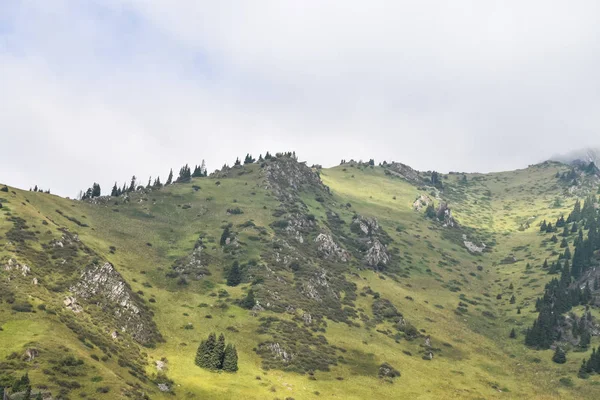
<point x="361" y="315"/>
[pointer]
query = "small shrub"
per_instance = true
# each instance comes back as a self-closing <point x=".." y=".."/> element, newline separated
<point x="22" y="307"/>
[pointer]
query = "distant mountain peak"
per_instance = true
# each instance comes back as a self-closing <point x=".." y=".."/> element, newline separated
<point x="581" y="156"/>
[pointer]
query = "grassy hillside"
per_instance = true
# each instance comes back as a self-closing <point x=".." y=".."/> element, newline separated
<point x="340" y="310"/>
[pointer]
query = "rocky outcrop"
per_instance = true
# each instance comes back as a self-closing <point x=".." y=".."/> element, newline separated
<point x="299" y="225"/>
<point x="13" y="265"/>
<point x="472" y="247"/>
<point x="102" y="285"/>
<point x="30" y="354"/>
<point x="191" y="266"/>
<point x="329" y="249"/>
<point x="444" y="214"/>
<point x="376" y="255"/>
<point x="285" y="176"/>
<point x="421" y="202"/>
<point x="584" y="323"/>
<point x="71" y="303"/>
<point x="368" y="226"/>
<point x="404" y="171"/>
<point x="278" y="351"/>
<point x="590" y="278"/>
<point x="317" y="287"/>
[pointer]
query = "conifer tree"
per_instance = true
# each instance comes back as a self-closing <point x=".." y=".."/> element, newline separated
<point x="584" y="340"/>
<point x="224" y="236"/>
<point x="513" y="334"/>
<point x="216" y="356"/>
<point x="27" y="395"/>
<point x="513" y="300"/>
<point x="234" y="276"/>
<point x="230" y="360"/>
<point x="184" y="174"/>
<point x="237" y="161"/>
<point x="132" y="184"/>
<point x="170" y="178"/>
<point x="565" y="231"/>
<point x="115" y="190"/>
<point x="249" y="301"/>
<point x="205" y="351"/>
<point x="543" y="226"/>
<point x="559" y="356"/>
<point x="96" y="190"/>
<point x="574" y="227"/>
<point x="567" y="253"/>
<point x="197" y="172"/>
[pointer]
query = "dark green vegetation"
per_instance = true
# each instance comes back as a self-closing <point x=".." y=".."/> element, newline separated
<point x="358" y="281"/>
<point x="214" y="355"/>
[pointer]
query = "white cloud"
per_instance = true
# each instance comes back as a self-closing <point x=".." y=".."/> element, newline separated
<point x="103" y="90"/>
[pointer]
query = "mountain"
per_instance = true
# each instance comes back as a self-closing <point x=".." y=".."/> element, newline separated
<point x="360" y="281"/>
<point x="586" y="156"/>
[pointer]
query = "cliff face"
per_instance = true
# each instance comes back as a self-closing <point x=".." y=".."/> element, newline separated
<point x="103" y="286"/>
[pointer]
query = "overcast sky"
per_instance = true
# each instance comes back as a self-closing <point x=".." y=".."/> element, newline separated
<point x="101" y="90"/>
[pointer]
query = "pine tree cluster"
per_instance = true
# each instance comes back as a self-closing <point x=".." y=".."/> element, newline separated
<point x="591" y="365"/>
<point x="215" y="355"/>
<point x="36" y="189"/>
<point x="559" y="294"/>
<point x="185" y="175"/>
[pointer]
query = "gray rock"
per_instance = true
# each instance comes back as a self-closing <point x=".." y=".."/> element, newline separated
<point x="104" y="286"/>
<point x="329" y="249"/>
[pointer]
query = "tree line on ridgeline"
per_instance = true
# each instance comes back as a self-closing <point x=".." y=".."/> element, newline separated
<point x="185" y="175"/>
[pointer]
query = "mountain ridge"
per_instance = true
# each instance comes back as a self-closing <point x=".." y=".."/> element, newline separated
<point x="348" y="276"/>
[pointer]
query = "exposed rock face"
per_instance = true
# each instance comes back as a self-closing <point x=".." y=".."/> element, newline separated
<point x="103" y="285"/>
<point x="30" y="354"/>
<point x="444" y="214"/>
<point x="285" y="176"/>
<point x="369" y="226"/>
<point x="71" y="303"/>
<point x="13" y="265"/>
<point x="376" y="255"/>
<point x="589" y="278"/>
<point x="279" y="352"/>
<point x="307" y="318"/>
<point x="387" y="371"/>
<point x="299" y="224"/>
<point x="317" y="286"/>
<point x="472" y="247"/>
<point x="161" y="365"/>
<point x="191" y="266"/>
<point x="329" y="249"/>
<point x="421" y="202"/>
<point x="586" y="321"/>
<point x="163" y="387"/>
<point x="405" y="172"/>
